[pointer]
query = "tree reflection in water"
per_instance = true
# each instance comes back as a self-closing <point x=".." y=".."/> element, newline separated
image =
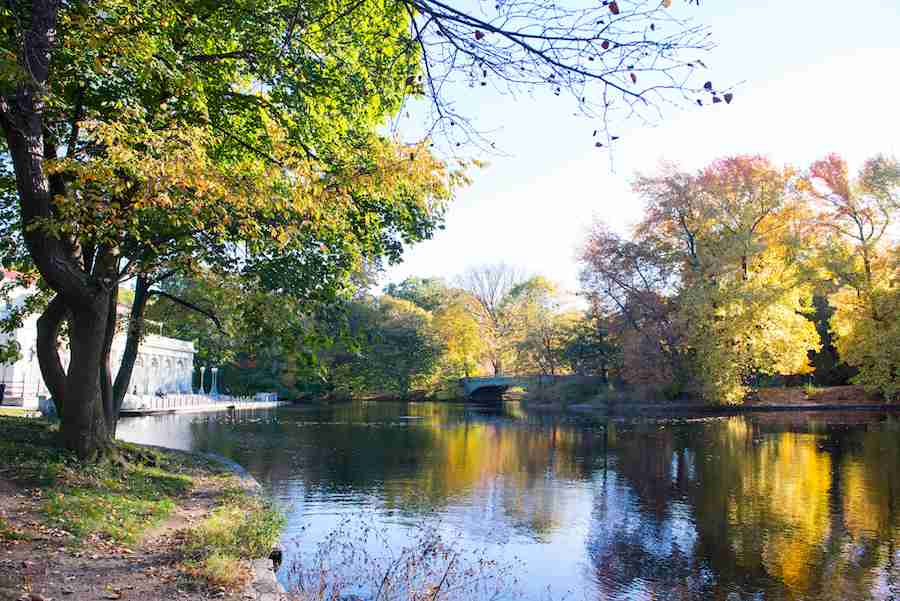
<point x="752" y="507"/>
<point x="763" y="507"/>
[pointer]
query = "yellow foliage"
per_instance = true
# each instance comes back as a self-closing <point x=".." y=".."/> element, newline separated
<point x="860" y="258"/>
<point x="161" y="188"/>
<point x="459" y="332"/>
<point x="867" y="336"/>
<point x="743" y="295"/>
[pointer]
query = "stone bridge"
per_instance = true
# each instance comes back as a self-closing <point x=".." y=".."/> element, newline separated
<point x="493" y="387"/>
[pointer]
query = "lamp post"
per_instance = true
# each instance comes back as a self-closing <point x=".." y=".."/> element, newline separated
<point x="214" y="391"/>
<point x="202" y="372"/>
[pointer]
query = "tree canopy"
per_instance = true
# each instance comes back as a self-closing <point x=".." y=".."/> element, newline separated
<point x="714" y="291"/>
<point x="147" y="139"/>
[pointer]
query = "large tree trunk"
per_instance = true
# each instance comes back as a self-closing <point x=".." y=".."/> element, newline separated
<point x="83" y="424"/>
<point x="84" y="285"/>
<point x="83" y="339"/>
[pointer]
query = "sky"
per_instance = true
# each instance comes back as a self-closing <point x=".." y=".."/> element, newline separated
<point x="811" y="77"/>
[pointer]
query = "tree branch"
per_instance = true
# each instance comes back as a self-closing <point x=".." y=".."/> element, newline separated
<point x="48" y="326"/>
<point x="190" y="306"/>
<point x="211" y="58"/>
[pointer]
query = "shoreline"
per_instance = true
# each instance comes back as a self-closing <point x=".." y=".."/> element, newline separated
<point x="168" y="526"/>
<point x="264" y="584"/>
<point x="655" y="410"/>
<point x="649" y="410"/>
<point x="848" y="398"/>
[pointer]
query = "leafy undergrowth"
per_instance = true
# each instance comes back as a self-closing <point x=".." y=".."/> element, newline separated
<point x="244" y="527"/>
<point x="572" y="390"/>
<point x="117" y="499"/>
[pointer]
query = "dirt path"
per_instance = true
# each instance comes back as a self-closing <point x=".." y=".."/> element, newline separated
<point x="51" y="564"/>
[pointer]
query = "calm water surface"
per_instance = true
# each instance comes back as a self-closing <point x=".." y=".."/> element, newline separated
<point x="798" y="506"/>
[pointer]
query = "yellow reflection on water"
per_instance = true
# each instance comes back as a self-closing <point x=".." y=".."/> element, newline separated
<point x="864" y="513"/>
<point x="794" y="479"/>
<point x="511" y="469"/>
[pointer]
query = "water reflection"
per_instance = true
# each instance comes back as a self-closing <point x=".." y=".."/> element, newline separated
<point x="752" y="508"/>
<point x="775" y="507"/>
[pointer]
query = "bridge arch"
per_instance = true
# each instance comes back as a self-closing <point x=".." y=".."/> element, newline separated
<point x="493" y="387"/>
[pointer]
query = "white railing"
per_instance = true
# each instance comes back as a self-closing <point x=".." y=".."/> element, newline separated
<point x="182" y="401"/>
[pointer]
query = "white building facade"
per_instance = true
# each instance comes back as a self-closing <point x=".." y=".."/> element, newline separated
<point x="164" y="365"/>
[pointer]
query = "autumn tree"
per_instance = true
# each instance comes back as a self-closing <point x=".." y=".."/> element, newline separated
<point x="147" y="137"/>
<point x="744" y="292"/>
<point x="589" y="348"/>
<point x="490" y="288"/>
<point x="181" y="144"/>
<point x="715" y="275"/>
<point x="859" y="212"/>
<point x="633" y="282"/>
<point x="856" y="215"/>
<point x="541" y="325"/>
<point x="463" y="347"/>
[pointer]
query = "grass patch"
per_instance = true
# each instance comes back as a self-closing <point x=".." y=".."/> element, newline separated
<point x="114" y="516"/>
<point x="245" y="527"/>
<point x="218" y="571"/>
<point x="117" y="500"/>
<point x="9" y="533"/>
<point x="17" y="412"/>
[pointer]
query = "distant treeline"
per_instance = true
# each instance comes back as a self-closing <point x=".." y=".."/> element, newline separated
<point x="741" y="275"/>
<point x="420" y="336"/>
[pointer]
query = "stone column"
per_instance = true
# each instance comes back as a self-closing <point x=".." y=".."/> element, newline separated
<point x="145" y="375"/>
<point x="181" y="382"/>
<point x="32" y="382"/>
<point x="153" y="380"/>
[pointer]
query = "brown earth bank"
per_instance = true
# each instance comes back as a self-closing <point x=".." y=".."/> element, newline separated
<point x="55" y="554"/>
<point x="775" y="399"/>
<point x="838" y="395"/>
<point x="833" y="398"/>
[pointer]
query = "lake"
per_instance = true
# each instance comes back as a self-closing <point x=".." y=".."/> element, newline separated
<point x="768" y="506"/>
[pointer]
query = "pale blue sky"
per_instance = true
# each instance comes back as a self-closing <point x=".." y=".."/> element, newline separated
<point x="818" y="76"/>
